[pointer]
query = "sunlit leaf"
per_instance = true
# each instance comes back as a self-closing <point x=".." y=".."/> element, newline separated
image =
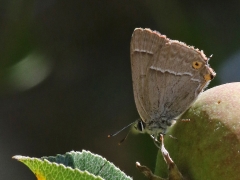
<point x="73" y="165"/>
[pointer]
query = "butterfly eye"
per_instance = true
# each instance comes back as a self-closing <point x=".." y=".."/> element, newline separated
<point x="196" y="64"/>
<point x="140" y="126"/>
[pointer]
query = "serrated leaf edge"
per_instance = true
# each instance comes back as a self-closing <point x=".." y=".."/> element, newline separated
<point x="22" y="158"/>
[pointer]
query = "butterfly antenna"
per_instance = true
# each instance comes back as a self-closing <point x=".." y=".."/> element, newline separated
<point x="111" y="135"/>
<point x="120" y="142"/>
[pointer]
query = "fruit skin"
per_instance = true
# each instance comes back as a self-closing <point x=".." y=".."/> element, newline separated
<point x="208" y="146"/>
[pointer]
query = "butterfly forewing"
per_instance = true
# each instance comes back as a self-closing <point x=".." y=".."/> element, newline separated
<point x="143" y="46"/>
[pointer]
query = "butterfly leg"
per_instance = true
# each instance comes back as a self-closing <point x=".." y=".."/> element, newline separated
<point x="185" y="120"/>
<point x="156" y="142"/>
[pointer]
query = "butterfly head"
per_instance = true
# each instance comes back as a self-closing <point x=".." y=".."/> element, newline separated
<point x="140" y="126"/>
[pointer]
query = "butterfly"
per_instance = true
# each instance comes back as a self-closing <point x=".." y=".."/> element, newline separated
<point x="167" y="77"/>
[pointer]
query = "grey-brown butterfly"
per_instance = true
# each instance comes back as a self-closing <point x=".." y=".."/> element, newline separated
<point x="167" y="76"/>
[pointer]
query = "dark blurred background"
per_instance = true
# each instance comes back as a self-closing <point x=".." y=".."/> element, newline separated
<point x="65" y="72"/>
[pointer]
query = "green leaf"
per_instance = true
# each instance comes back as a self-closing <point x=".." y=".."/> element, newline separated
<point x="73" y="165"/>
